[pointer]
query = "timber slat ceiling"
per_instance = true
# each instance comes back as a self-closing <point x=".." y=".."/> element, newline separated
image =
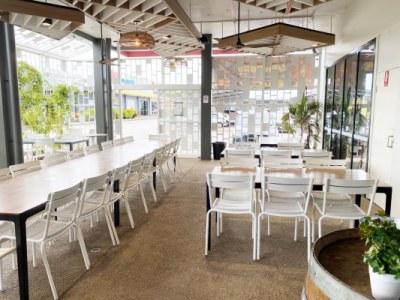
<point x="284" y="6"/>
<point x="172" y="36"/>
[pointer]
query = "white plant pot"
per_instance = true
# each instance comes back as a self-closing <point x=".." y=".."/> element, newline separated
<point x="384" y="286"/>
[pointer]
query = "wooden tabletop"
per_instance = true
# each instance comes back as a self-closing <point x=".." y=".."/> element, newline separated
<point x="27" y="191"/>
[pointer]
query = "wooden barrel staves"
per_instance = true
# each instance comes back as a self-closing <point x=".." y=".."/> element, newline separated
<point x="336" y="269"/>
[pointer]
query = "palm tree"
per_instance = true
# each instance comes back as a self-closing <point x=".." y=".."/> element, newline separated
<point x="304" y="117"/>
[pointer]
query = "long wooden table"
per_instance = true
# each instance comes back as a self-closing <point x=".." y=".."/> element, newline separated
<point x="318" y="176"/>
<point x="26" y="195"/>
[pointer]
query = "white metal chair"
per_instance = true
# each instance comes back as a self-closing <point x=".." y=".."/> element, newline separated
<point x="134" y="180"/>
<point x="275" y="162"/>
<point x="107" y="145"/>
<point x="52" y="225"/>
<point x="159" y="162"/>
<point x="294" y="197"/>
<point x="92" y="149"/>
<point x="239" y="162"/>
<point x="25" y="168"/>
<point x="43" y="147"/>
<point x="118" y="142"/>
<point x="343" y="207"/>
<point x="305" y="155"/>
<point x="147" y="173"/>
<point x="5" y="173"/>
<point x="232" y="204"/>
<point x="290" y="146"/>
<point x="128" y="139"/>
<point x="54" y="159"/>
<point x="245" y="145"/>
<point x="276" y="153"/>
<point x="239" y="153"/>
<point x="325" y="164"/>
<point x="74" y="154"/>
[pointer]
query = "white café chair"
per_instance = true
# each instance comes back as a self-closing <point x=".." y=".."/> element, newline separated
<point x="239" y="162"/>
<point x="290" y="146"/>
<point x="24" y="168"/>
<point x="74" y="154"/>
<point x="92" y="149"/>
<point x="134" y="180"/>
<point x="276" y="162"/>
<point x="158" y="166"/>
<point x="343" y="206"/>
<point x="43" y="147"/>
<point x="239" y="153"/>
<point x="245" y="145"/>
<point x="118" y="142"/>
<point x="147" y="173"/>
<point x="54" y="159"/>
<point x="234" y="203"/>
<point x="276" y="153"/>
<point x="293" y="201"/>
<point x="315" y="154"/>
<point x="43" y="230"/>
<point x="128" y="139"/>
<point x="106" y="145"/>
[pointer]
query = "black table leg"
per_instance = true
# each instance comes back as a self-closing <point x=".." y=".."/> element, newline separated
<point x="154" y="174"/>
<point x="71" y="147"/>
<point x="209" y="217"/>
<point x="358" y="202"/>
<point x="20" y="234"/>
<point x="116" y="205"/>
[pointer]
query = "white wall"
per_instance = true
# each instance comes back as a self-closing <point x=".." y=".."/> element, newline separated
<point x="363" y="21"/>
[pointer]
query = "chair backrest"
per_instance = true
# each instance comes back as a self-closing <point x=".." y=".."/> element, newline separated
<point x="276" y="162"/>
<point x="135" y="174"/>
<point x="157" y="137"/>
<point x="239" y="153"/>
<point x="148" y="162"/>
<point x="316" y="163"/>
<point x="128" y="139"/>
<point x="46" y="145"/>
<point x="315" y="154"/>
<point x="176" y="146"/>
<point x="92" y="149"/>
<point x="5" y="173"/>
<point x="280" y="153"/>
<point x="121" y="174"/>
<point x="245" y="145"/>
<point x="290" y="146"/>
<point x="350" y="187"/>
<point x="242" y="182"/>
<point x="107" y="145"/>
<point x="118" y="142"/>
<point x="242" y="162"/>
<point x="24" y="168"/>
<point x="289" y="186"/>
<point x="54" y="159"/>
<point x="159" y="155"/>
<point x="71" y="197"/>
<point x="76" y="153"/>
<point x="101" y="183"/>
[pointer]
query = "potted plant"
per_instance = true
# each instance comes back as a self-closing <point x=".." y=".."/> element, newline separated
<point x="383" y="256"/>
<point x="303" y="118"/>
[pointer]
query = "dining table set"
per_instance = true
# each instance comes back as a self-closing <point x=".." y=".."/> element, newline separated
<point x="276" y="179"/>
<point x="27" y="195"/>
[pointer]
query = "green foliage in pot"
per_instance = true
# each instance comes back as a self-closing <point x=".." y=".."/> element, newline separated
<point x="303" y="118"/>
<point x="384" y="239"/>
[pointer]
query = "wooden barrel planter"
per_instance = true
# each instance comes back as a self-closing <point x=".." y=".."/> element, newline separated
<point x="336" y="269"/>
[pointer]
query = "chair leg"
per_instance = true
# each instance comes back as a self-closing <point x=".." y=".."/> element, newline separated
<point x="1" y="276"/>
<point x="269" y="225"/>
<point x="152" y="188"/>
<point x="163" y="179"/>
<point x="296" y="221"/>
<point x="308" y="238"/>
<point x="253" y="225"/>
<point x="83" y="246"/>
<point x="48" y="271"/>
<point x="33" y="255"/>
<point x="206" y="235"/>
<point x="260" y="216"/>
<point x="143" y="198"/>
<point x="129" y="212"/>
<point x="111" y="227"/>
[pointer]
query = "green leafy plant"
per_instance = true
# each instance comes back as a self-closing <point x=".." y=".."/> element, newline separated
<point x="42" y="113"/>
<point x="303" y="118"/>
<point x="129" y="113"/>
<point x="384" y="239"/>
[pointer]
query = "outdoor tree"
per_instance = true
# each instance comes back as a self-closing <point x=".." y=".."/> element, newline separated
<point x="40" y="112"/>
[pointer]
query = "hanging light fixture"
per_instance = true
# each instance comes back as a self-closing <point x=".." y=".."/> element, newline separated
<point x="137" y="39"/>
